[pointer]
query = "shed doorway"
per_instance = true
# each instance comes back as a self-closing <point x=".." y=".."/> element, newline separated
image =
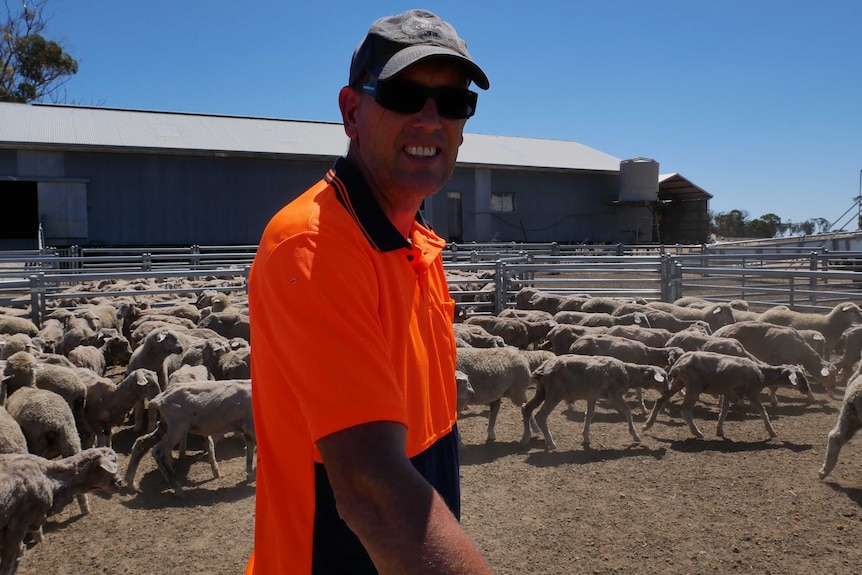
<point x="21" y="230"/>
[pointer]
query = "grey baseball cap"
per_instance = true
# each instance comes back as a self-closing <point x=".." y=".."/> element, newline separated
<point x="395" y="42"/>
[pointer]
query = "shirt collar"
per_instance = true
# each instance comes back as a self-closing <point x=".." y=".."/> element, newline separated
<point x="355" y="195"/>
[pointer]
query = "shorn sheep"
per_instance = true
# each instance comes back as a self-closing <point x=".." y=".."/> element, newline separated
<point x="729" y="377"/>
<point x="204" y="408"/>
<point x="574" y="377"/>
<point x="831" y="325"/>
<point x="33" y="489"/>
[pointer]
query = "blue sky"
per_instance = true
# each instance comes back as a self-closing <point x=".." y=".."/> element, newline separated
<point x="759" y="102"/>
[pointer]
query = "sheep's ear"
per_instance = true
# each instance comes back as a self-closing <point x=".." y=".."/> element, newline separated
<point x="637" y="319"/>
<point x="716" y="311"/>
<point x="818" y="337"/>
<point x="792" y="378"/>
<point x="108" y="465"/>
<point x="141" y="379"/>
<point x="160" y="337"/>
<point x="824" y="371"/>
<point x="847" y="307"/>
<point x="657" y="375"/>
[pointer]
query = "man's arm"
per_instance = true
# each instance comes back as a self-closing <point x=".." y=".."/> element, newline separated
<point x="400" y="519"/>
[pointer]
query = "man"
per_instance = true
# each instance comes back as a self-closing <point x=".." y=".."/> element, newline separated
<point x="354" y="355"/>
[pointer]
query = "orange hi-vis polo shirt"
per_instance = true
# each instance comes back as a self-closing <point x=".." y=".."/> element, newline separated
<point x="350" y="324"/>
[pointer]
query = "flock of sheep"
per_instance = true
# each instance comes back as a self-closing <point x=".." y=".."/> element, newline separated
<point x="572" y="348"/>
<point x="67" y="384"/>
<point x="181" y="366"/>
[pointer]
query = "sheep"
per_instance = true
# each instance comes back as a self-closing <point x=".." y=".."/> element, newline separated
<point x="850" y="348"/>
<point x="204" y="408"/>
<point x="12" y="439"/>
<point x="10" y="324"/>
<point x="716" y="315"/>
<point x="152" y="352"/>
<point x="603" y="304"/>
<point x="533" y="315"/>
<point x="207" y="352"/>
<point x="849" y="422"/>
<point x="532" y="298"/>
<point x="115" y="350"/>
<point x="726" y="376"/>
<point x="235" y="364"/>
<point x="627" y="350"/>
<point x="495" y="373"/>
<point x="22" y="370"/>
<point x="575" y="377"/>
<point x="14" y="343"/>
<point x="662" y="319"/>
<point x="652" y="336"/>
<point x="187" y="373"/>
<point x="477" y="336"/>
<point x="563" y="335"/>
<point x="47" y="425"/>
<point x="515" y="332"/>
<point x="108" y="403"/>
<point x="80" y="330"/>
<point x="831" y="324"/>
<point x="35" y="489"/>
<point x="229" y="323"/>
<point x="600" y="319"/>
<point x="776" y="345"/>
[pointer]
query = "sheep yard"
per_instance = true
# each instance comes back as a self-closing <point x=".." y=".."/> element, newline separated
<point x="673" y="504"/>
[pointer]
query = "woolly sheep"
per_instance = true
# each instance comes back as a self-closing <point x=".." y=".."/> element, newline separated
<point x="652" y="336"/>
<point x="515" y="332"/>
<point x="726" y="376"/>
<point x="849" y="422"/>
<point x="600" y="319"/>
<point x="776" y="345"/>
<point x="562" y="336"/>
<point x="12" y="439"/>
<point x="662" y="319"/>
<point x="10" y="344"/>
<point x="10" y="324"/>
<point x="495" y="373"/>
<point x="204" y="408"/>
<point x="532" y="298"/>
<point x="35" y="489"/>
<point x="477" y="336"/>
<point x="115" y="350"/>
<point x="574" y="377"/>
<point x="229" y="323"/>
<point x="831" y="324"/>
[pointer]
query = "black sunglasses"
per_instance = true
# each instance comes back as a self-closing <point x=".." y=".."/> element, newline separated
<point x="406" y="97"/>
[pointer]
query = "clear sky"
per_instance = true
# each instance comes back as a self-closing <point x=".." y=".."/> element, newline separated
<point x="759" y="102"/>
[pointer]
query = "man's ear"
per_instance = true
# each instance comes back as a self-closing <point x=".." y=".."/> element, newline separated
<point x="348" y="102"/>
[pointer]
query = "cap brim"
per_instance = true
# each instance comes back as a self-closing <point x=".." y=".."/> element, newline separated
<point x="412" y="54"/>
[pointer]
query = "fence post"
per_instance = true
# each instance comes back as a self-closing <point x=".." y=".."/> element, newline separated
<point x="555" y="249"/>
<point x="620" y="250"/>
<point x="812" y="281"/>
<point x="36" y="299"/>
<point x="146" y="261"/>
<point x="676" y="282"/>
<point x="196" y="257"/>
<point x="454" y="253"/>
<point x="501" y="284"/>
<point x="664" y="277"/>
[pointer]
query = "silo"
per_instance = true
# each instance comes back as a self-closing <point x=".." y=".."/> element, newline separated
<point x="639" y="180"/>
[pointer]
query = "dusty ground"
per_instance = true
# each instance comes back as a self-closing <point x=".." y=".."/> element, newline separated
<point x="673" y="505"/>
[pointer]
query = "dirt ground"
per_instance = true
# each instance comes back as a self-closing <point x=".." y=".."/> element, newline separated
<point x="672" y="505"/>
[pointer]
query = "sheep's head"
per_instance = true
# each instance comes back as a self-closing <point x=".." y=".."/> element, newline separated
<point x="465" y="390"/>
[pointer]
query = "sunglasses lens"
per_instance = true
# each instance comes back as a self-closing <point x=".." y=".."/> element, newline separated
<point x="408" y="98"/>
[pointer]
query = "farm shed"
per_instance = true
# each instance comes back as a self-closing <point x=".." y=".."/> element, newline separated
<point x="108" y="177"/>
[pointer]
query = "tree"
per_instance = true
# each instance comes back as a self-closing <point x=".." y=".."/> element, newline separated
<point x="31" y="67"/>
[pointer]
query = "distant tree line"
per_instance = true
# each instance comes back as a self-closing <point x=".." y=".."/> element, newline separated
<point x="736" y="224"/>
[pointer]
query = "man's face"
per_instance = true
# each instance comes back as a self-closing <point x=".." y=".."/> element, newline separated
<point x="405" y="157"/>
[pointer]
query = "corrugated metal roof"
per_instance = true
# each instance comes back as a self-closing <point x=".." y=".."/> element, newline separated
<point x="676" y="187"/>
<point x="66" y="126"/>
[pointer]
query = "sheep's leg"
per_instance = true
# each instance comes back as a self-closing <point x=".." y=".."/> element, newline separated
<point x="639" y="398"/>
<point x="542" y="421"/>
<point x="250" y="444"/>
<point x="212" y="458"/>
<point x="11" y="549"/>
<point x="724" y="404"/>
<point x="773" y="398"/>
<point x="657" y="408"/>
<point x="141" y="446"/>
<point x="623" y="408"/>
<point x="492" y="419"/>
<point x="847" y="426"/>
<point x="139" y="417"/>
<point x="527" y="414"/>
<point x="763" y="415"/>
<point x="162" y="453"/>
<point x="588" y="419"/>
<point x="83" y="503"/>
<point x="685" y="410"/>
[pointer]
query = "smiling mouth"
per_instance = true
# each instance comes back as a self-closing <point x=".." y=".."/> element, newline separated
<point x="421" y="151"/>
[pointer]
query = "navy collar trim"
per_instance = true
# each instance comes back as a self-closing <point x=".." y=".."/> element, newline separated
<point x="354" y="194"/>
